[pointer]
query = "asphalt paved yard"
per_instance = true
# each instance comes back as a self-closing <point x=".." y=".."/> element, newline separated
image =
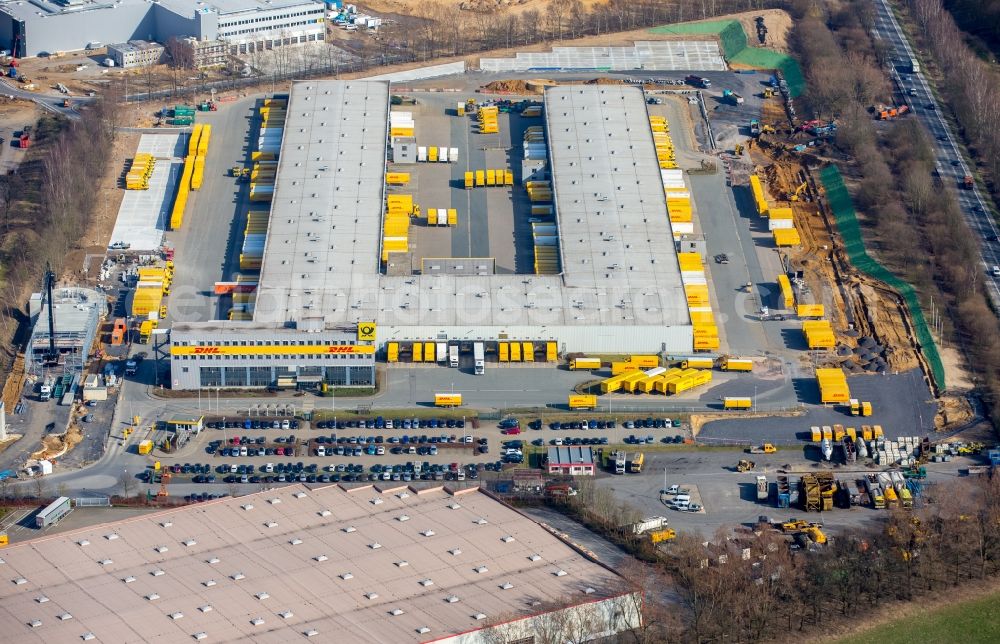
<point x="901" y="403"/>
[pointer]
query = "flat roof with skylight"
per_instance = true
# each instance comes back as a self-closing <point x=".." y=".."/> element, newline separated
<point x="322" y="250"/>
<point x="359" y="565"/>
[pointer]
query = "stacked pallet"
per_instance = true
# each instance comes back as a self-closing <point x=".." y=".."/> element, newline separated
<point x="137" y="177"/>
<point x="488" y="123"/>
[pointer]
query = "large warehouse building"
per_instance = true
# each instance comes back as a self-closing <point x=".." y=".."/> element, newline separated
<point x="619" y="291"/>
<point x="332" y="564"/>
<point x="31" y="28"/>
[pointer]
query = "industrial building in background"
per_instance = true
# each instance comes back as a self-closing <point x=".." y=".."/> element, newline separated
<point x="331" y="564"/>
<point x="44" y="27"/>
<point x="619" y="289"/>
<point x="62" y="334"/>
<point x="136" y="53"/>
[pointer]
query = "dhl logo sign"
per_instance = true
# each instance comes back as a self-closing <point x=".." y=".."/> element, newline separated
<point x="273" y="349"/>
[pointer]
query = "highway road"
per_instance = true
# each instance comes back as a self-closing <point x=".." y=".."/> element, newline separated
<point x="951" y="165"/>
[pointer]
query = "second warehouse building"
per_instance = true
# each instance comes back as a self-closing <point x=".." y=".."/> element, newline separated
<point x="324" y="307"/>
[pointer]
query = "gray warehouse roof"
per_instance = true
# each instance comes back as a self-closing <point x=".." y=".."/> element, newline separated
<point x="571" y="455"/>
<point x="326" y="209"/>
<point x="359" y="565"/>
<point x="610" y="208"/>
<point x="321" y="258"/>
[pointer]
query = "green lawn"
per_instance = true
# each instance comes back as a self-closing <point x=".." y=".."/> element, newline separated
<point x="969" y="622"/>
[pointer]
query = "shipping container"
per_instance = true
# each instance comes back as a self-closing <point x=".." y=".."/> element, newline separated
<point x="447" y="400"/>
<point x="577" y="364"/>
<point x="392" y="352"/>
<point x="736" y="364"/>
<point x="528" y="351"/>
<point x="428" y="352"/>
<point x="504" y="352"/>
<point x="583" y="402"/>
<point x="731" y="402"/>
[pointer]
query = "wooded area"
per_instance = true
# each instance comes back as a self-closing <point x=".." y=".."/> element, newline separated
<point x="47" y="204"/>
<point x="970" y="85"/>
<point x="919" y="230"/>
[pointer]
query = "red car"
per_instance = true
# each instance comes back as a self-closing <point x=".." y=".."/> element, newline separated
<point x="511" y="431"/>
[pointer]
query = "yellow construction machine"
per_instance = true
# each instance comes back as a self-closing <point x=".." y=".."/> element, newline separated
<point x="745" y="465"/>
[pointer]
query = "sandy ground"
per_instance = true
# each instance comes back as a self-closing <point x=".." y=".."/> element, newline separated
<point x="778" y="24"/>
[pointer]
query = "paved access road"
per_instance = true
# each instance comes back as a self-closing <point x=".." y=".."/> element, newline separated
<point x="951" y="165"/>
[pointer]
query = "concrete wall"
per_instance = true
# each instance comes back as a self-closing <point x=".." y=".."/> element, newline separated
<point x="170" y="24"/>
<point x="581" y="623"/>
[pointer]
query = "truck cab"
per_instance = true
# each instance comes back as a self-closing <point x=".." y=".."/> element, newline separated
<point x="130" y="367"/>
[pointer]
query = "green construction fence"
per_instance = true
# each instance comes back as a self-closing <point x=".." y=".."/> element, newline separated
<point x="735" y="49"/>
<point x="847" y="223"/>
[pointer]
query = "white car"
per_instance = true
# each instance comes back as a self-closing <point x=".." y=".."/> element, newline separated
<point x="285" y="424"/>
<point x="466" y="439"/>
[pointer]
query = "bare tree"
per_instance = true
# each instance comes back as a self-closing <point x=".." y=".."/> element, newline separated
<point x="126" y="483"/>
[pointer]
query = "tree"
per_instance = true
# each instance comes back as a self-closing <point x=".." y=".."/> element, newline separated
<point x="126" y="483"/>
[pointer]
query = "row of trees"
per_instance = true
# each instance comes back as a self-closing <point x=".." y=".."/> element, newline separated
<point x="752" y="588"/>
<point x="970" y="84"/>
<point x="46" y="204"/>
<point x="917" y="224"/>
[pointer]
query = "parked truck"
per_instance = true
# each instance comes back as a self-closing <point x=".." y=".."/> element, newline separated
<point x="754" y="128"/>
<point x="762" y="493"/>
<point x="698" y="81"/>
<point x="453" y="356"/>
<point x="479" y="355"/>
<point x="578" y="364"/>
<point x="649" y="523"/>
<point x="732" y="97"/>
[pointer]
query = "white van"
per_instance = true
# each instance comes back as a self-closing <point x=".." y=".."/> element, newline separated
<point x="320" y="451"/>
<point x="682" y="501"/>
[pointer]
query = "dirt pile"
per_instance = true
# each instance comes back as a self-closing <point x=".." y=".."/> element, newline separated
<point x="56" y="445"/>
<point x="532" y="86"/>
<point x="489" y="6"/>
<point x="860" y="308"/>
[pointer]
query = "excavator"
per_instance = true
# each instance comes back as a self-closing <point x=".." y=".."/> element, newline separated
<point x="813" y="530"/>
<point x="794" y="195"/>
<point x="745" y="465"/>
